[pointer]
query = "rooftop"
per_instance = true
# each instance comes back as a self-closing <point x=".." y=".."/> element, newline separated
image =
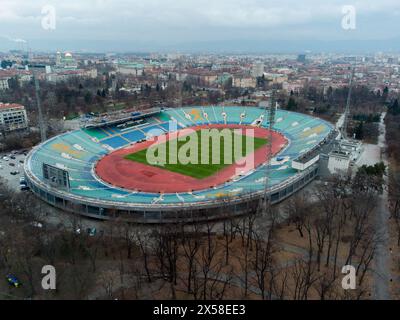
<point x="10" y="105"/>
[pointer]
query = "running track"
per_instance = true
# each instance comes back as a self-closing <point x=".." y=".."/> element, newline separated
<point x="117" y="171"/>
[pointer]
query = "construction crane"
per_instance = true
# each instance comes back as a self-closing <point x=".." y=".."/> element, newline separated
<point x="347" y="109"/>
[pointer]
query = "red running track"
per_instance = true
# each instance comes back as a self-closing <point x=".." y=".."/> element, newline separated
<point x="117" y="171"/>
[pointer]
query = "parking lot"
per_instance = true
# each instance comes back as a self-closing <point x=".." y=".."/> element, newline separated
<point x="12" y="168"/>
<point x="12" y="162"/>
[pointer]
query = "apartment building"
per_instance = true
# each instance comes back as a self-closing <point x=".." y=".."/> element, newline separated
<point x="244" y="82"/>
<point x="12" y="117"/>
<point x="4" y="84"/>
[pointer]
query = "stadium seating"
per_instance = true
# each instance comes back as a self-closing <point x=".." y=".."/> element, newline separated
<point x="116" y="142"/>
<point x="77" y="151"/>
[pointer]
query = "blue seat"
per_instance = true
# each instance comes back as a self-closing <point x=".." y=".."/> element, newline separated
<point x="115" y="142"/>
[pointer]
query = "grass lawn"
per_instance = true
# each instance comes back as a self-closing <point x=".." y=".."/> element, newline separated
<point x="199" y="170"/>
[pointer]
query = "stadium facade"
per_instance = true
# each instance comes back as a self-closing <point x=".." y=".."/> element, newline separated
<point x="61" y="171"/>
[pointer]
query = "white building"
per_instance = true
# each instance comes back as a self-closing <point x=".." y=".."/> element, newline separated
<point x="339" y="162"/>
<point x="295" y="87"/>
<point x="276" y="78"/>
<point x="135" y="69"/>
<point x="12" y="117"/>
<point x="257" y="70"/>
<point x="60" y="75"/>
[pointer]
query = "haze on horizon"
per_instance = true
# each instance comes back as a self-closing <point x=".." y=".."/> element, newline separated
<point x="201" y="25"/>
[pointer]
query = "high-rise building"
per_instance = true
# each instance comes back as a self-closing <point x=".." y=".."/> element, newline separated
<point x="58" y="58"/>
<point x="301" y="58"/>
<point x="257" y="70"/>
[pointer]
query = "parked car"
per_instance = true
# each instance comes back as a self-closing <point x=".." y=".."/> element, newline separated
<point x="91" y="231"/>
<point x="22" y="184"/>
<point x="13" y="281"/>
<point x="12" y="164"/>
<point x="36" y="224"/>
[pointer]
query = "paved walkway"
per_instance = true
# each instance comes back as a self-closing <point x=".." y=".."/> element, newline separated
<point x="382" y="256"/>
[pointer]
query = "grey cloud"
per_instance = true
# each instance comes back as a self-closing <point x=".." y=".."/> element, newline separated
<point x="177" y="21"/>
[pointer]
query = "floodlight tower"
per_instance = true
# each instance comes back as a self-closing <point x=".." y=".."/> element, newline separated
<point x="180" y="84"/>
<point x="39" y="105"/>
<point x="271" y="122"/>
<point x="34" y="69"/>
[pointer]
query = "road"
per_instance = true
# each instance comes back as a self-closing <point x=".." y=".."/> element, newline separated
<point x="382" y="256"/>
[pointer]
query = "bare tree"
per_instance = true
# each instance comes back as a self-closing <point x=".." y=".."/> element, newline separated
<point x="304" y="276"/>
<point x="166" y="252"/>
<point x="394" y="200"/>
<point x="143" y="239"/>
<point x="263" y="264"/>
<point x="191" y="240"/>
<point x="107" y="281"/>
<point x="297" y="210"/>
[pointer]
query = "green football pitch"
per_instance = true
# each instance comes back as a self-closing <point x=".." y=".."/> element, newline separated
<point x="201" y="169"/>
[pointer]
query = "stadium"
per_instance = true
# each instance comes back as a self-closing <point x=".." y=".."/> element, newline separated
<point x="100" y="171"/>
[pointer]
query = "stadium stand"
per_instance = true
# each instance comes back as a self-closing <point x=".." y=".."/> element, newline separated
<point x="78" y="151"/>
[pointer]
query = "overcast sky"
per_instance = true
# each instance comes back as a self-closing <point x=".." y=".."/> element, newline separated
<point x="123" y="25"/>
